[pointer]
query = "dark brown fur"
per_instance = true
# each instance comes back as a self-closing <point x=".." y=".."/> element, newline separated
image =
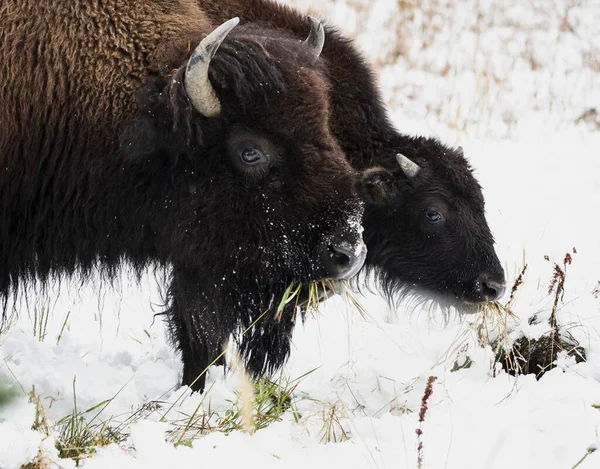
<point x="104" y="161"/>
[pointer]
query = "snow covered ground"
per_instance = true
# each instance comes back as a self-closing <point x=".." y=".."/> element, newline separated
<point x="516" y="85"/>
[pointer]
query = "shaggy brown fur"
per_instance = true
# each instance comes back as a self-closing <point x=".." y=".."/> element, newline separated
<point x="105" y="161"/>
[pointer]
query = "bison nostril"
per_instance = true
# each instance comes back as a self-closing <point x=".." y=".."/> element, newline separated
<point x="492" y="290"/>
<point x="339" y="255"/>
<point x="343" y="260"/>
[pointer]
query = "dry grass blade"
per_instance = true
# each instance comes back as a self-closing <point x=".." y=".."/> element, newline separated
<point x="246" y="393"/>
<point x="315" y="293"/>
<point x="591" y="449"/>
<point x="333" y="430"/>
<point x="494" y="323"/>
<point x="351" y="299"/>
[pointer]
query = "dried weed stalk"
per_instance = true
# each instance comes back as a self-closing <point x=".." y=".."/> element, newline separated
<point x="333" y="430"/>
<point x="419" y="431"/>
<point x="537" y="356"/>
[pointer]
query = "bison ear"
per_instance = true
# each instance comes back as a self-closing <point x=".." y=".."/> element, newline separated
<point x="377" y="186"/>
<point x="460" y="152"/>
<point x="316" y="38"/>
<point x="197" y="85"/>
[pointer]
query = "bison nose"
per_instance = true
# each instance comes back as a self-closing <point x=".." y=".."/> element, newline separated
<point x="491" y="289"/>
<point x="343" y="260"/>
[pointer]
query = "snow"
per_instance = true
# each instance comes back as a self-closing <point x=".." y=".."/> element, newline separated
<point x="507" y="81"/>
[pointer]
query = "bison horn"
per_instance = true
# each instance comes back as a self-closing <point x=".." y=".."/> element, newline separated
<point x="460" y="151"/>
<point x="315" y="39"/>
<point x="408" y="167"/>
<point x="197" y="85"/>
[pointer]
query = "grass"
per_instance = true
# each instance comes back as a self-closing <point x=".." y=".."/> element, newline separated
<point x="41" y="424"/>
<point x="63" y="327"/>
<point x="39" y="462"/>
<point x="315" y="292"/>
<point x="590" y="450"/>
<point x="40" y="420"/>
<point x="40" y="321"/>
<point x="78" y="437"/>
<point x="254" y="408"/>
<point x="272" y="399"/>
<point x="41" y="318"/>
<point x="332" y="430"/>
<point x="525" y="355"/>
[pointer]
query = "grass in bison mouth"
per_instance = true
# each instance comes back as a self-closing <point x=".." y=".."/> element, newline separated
<point x="305" y="295"/>
<point x="309" y="296"/>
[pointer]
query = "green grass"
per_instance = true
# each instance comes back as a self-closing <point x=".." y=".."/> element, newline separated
<point x="311" y="302"/>
<point x="40" y="322"/>
<point x="79" y="437"/>
<point x="271" y="400"/>
<point x="77" y="434"/>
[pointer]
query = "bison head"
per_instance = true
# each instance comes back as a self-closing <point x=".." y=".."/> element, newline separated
<point x="426" y="230"/>
<point x="261" y="187"/>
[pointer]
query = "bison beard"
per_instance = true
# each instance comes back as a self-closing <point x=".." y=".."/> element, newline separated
<point x="109" y="156"/>
<point x="201" y="337"/>
<point x="452" y="260"/>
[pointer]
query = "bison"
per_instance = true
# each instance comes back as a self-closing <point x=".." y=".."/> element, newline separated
<point x="425" y="226"/>
<point x="144" y="132"/>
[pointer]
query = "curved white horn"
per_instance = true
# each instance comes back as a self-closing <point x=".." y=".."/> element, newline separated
<point x="197" y="85"/>
<point x="315" y="39"/>
<point x="408" y="167"/>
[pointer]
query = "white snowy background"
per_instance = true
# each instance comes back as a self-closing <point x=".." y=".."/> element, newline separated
<point x="517" y="84"/>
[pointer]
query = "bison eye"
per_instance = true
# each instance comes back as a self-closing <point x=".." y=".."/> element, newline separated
<point x="253" y="156"/>
<point x="433" y="216"/>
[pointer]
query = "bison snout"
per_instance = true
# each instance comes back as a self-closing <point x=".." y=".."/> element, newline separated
<point x="343" y="260"/>
<point x="490" y="289"/>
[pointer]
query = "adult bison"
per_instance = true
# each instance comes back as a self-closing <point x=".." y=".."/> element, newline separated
<point x="428" y="234"/>
<point x="136" y="132"/>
